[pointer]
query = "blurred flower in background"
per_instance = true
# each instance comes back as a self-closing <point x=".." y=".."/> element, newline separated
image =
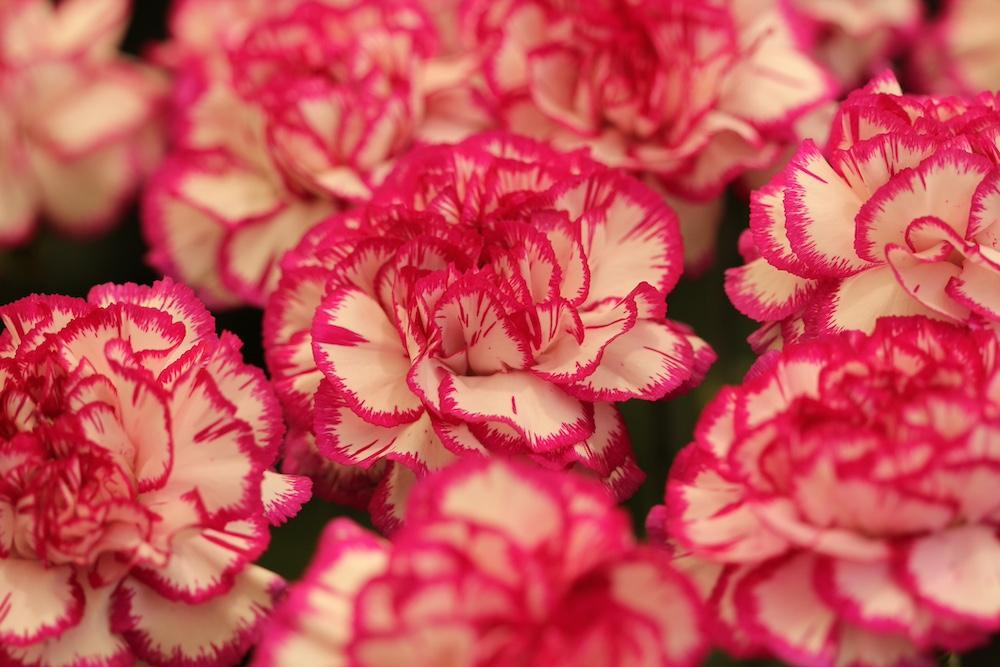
<point x="958" y="51"/>
<point x="135" y="482"/>
<point x="842" y="506"/>
<point x="688" y="95"/>
<point x="285" y="113"/>
<point x="856" y="39"/>
<point x="80" y="123"/>
<point x="499" y="564"/>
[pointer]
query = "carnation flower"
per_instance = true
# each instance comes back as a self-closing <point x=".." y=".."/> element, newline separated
<point x="499" y="564"/>
<point x="495" y="296"/>
<point x="285" y="115"/>
<point x="958" y="52"/>
<point x="135" y="489"/>
<point x="79" y="122"/>
<point x="693" y="93"/>
<point x="842" y="506"/>
<point x="857" y="38"/>
<point x="895" y="217"/>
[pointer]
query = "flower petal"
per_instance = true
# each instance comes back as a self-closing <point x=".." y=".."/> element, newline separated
<point x="360" y="352"/>
<point x="284" y="495"/>
<point x="546" y="416"/>
<point x="90" y="643"/>
<point x="648" y="361"/>
<point x="820" y="209"/>
<point x="204" y="563"/>
<point x="957" y="572"/>
<point x="215" y="633"/>
<point x="779" y="602"/>
<point x="760" y="290"/>
<point x="857" y="302"/>
<point x="37" y="602"/>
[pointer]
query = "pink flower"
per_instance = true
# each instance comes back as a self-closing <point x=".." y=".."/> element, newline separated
<point x="500" y="565"/>
<point x="79" y="122"/>
<point x="496" y="296"/>
<point x="896" y="217"/>
<point x="135" y="482"/>
<point x="283" y="118"/>
<point x="857" y="38"/>
<point x="691" y="92"/>
<point x="842" y="506"/>
<point x="957" y="52"/>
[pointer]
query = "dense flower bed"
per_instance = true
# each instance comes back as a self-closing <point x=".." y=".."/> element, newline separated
<point x="450" y="230"/>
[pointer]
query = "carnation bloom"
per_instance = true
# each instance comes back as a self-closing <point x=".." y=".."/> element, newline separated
<point x="842" y="506"/>
<point x="958" y="52"/>
<point x="499" y="565"/>
<point x="692" y="93"/>
<point x="285" y="114"/>
<point x="857" y="38"/>
<point x="494" y="296"/>
<point x="78" y="121"/>
<point x="897" y="216"/>
<point x="135" y="489"/>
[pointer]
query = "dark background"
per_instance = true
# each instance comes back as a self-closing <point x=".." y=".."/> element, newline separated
<point x="53" y="264"/>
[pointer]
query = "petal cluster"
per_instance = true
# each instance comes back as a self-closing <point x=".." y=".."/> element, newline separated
<point x="500" y="565"/>
<point x="842" y="506"/>
<point x="285" y="113"/>
<point x="135" y="482"/>
<point x="692" y="93"/>
<point x="79" y="122"/>
<point x="495" y="296"/>
<point x="896" y="216"/>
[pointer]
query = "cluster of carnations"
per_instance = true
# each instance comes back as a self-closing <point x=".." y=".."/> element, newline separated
<point x="459" y="218"/>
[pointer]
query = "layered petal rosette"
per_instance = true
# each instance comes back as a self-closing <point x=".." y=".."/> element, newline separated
<point x="958" y="52"/>
<point x="692" y="93"/>
<point x="897" y="216"/>
<point x="79" y="122"/>
<point x="856" y="39"/>
<point x="499" y="565"/>
<point x="842" y="506"/>
<point x="495" y="296"/>
<point x="299" y="109"/>
<point x="135" y="483"/>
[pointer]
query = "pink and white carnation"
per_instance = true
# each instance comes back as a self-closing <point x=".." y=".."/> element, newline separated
<point x="692" y="93"/>
<point x="286" y="115"/>
<point x="842" y="507"/>
<point x="499" y="565"/>
<point x="898" y="215"/>
<point x="79" y="122"/>
<point x="494" y="297"/>
<point x="958" y="52"/>
<point x="135" y="483"/>
<point x="856" y="39"/>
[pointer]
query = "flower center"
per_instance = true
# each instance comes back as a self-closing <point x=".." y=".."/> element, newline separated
<point x="71" y="500"/>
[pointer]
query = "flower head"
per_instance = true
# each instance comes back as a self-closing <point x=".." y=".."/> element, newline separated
<point x="135" y="489"/>
<point x="495" y="296"/>
<point x="683" y="91"/>
<point x="841" y="506"/>
<point x="897" y="216"/>
<point x="79" y="122"/>
<point x="499" y="564"/>
<point x="285" y="115"/>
